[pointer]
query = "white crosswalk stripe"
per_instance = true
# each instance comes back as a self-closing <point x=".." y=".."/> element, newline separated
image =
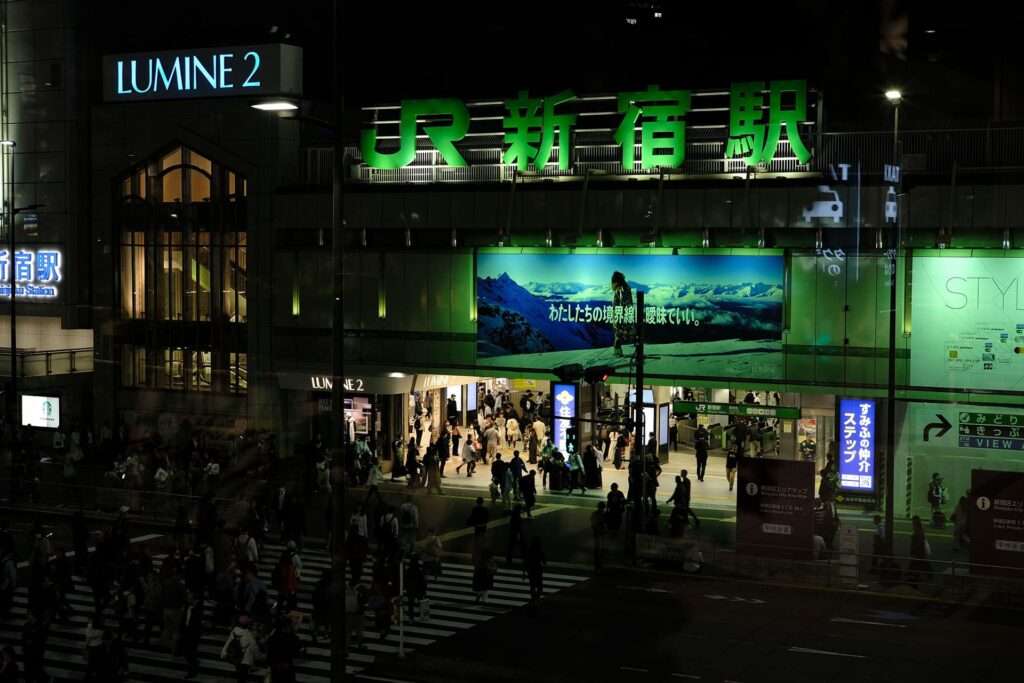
<point x="453" y="609"/>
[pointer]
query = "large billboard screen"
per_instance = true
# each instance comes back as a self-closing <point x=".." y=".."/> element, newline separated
<point x="706" y="314"/>
<point x="968" y="323"/>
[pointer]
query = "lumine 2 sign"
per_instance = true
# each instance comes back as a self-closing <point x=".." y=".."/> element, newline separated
<point x="254" y="70"/>
<point x="534" y="126"/>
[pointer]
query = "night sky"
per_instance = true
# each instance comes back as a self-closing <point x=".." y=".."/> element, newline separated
<point x="958" y="69"/>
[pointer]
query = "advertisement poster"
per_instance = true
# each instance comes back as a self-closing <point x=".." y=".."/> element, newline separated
<point x="40" y="411"/>
<point x="996" y="522"/>
<point x="968" y="323"/>
<point x="857" y="444"/>
<point x="706" y="314"/>
<point x="775" y="508"/>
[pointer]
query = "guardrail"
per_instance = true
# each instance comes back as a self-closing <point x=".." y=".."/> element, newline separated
<point x="143" y="503"/>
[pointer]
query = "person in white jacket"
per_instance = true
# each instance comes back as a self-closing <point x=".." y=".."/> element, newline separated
<point x="243" y="656"/>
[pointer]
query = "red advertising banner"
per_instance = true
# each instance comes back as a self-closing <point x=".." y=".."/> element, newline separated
<point x="996" y="522"/>
<point x="775" y="508"/>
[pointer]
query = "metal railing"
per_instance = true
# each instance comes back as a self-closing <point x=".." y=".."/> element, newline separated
<point x="45" y="363"/>
<point x="935" y="151"/>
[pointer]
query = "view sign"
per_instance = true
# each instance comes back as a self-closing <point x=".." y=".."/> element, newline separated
<point x="253" y="70"/>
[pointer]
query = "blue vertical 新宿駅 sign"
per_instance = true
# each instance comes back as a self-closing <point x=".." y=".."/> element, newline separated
<point x="564" y="405"/>
<point x="857" y="444"/>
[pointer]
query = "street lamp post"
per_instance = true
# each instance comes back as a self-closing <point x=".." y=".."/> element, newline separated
<point x="894" y="96"/>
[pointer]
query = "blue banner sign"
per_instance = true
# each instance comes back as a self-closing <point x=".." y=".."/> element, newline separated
<point x="37" y="273"/>
<point x="857" y="444"/>
<point x="564" y="404"/>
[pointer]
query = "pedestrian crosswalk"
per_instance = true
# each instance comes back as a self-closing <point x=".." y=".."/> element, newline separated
<point x="453" y="610"/>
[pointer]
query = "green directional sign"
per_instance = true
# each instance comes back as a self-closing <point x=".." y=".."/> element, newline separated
<point x="742" y="409"/>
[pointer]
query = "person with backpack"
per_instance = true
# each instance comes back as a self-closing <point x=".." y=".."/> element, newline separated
<point x="240" y="649"/>
<point x="415" y="585"/>
<point x="286" y="580"/>
<point x="246" y="548"/>
<point x="387" y="534"/>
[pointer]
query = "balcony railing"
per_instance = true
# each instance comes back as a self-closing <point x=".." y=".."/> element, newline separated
<point x="45" y="363"/>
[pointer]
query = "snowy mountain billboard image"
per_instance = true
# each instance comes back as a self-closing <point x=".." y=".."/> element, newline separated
<point x="707" y="314"/>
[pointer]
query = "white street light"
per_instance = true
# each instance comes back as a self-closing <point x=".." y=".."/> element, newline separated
<point x="276" y="105"/>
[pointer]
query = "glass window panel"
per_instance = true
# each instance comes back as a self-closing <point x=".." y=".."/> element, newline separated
<point x="201" y="373"/>
<point x="238" y="373"/>
<point x="172" y="186"/>
<point x="141" y="179"/>
<point x="171" y="159"/>
<point x="198" y="186"/>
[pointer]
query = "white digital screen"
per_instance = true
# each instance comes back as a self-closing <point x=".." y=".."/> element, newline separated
<point x="40" y="411"/>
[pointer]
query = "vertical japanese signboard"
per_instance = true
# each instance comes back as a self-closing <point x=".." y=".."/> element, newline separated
<point x="857" y="444"/>
<point x="996" y="522"/>
<point x="565" y="410"/>
<point x="775" y="508"/>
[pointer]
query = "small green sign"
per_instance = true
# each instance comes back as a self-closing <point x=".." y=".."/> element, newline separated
<point x="742" y="409"/>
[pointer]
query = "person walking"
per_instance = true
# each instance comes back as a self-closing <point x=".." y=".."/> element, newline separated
<point x="468" y="456"/>
<point x="528" y="489"/>
<point x="483" y="575"/>
<point x="701" y="440"/>
<point x="240" y="649"/>
<point x="409" y="524"/>
<point x="961" y="527"/>
<point x="282" y="647"/>
<point x="533" y="569"/>
<point x="599" y="529"/>
<point x="498" y="468"/>
<point x="478" y="519"/>
<point x="415" y="585"/>
<point x="920" y="552"/>
<point x="491" y="438"/>
<point x="533" y="446"/>
<point x="512" y="432"/>
<point x="731" y="458"/>
<point x="191" y="634"/>
<point x="576" y="478"/>
<point x="516" y="533"/>
<point x="518" y="468"/>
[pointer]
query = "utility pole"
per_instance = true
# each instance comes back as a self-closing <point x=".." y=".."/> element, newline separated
<point x="339" y="653"/>
<point x="894" y="97"/>
<point x="639" y="450"/>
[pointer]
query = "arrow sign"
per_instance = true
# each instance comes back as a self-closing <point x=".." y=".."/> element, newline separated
<point x="942" y="425"/>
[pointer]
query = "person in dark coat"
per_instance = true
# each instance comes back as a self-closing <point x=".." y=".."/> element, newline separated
<point x="192" y="633"/>
<point x="591" y="469"/>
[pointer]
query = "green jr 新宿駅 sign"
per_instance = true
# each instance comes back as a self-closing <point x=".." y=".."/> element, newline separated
<point x="533" y="127"/>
